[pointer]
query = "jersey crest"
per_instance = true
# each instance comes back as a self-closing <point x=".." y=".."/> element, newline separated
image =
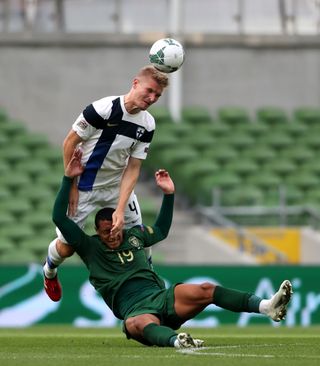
<point x="134" y="241"/>
<point x="139" y="132"/>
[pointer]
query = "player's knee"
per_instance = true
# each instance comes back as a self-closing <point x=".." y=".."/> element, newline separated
<point x="64" y="250"/>
<point x="134" y="326"/>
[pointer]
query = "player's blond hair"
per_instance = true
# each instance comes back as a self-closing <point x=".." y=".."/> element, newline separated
<point x="150" y="71"/>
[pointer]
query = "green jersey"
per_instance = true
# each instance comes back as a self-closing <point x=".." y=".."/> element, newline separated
<point x="108" y="268"/>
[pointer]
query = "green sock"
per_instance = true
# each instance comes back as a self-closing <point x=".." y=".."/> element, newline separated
<point x="159" y="335"/>
<point x="235" y="300"/>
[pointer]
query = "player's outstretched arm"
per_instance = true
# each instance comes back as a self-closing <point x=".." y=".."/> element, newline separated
<point x="164" y="181"/>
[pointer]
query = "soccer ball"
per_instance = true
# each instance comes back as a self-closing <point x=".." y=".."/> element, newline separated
<point x="166" y="55"/>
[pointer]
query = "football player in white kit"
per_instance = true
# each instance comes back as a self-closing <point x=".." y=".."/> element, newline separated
<point x="114" y="134"/>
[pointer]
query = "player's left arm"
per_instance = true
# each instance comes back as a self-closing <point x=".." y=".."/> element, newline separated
<point x="161" y="227"/>
<point x="128" y="181"/>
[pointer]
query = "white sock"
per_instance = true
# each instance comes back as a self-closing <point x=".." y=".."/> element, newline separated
<point x="54" y="259"/>
<point x="264" y="306"/>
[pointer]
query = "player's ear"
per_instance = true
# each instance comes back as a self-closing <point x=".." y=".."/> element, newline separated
<point x="135" y="83"/>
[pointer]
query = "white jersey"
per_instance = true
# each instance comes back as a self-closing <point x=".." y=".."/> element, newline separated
<point x="110" y="136"/>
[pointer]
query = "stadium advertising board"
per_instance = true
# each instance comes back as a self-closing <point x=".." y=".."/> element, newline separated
<point x="23" y="301"/>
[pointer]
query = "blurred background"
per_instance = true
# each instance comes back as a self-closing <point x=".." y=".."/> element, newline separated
<point x="238" y="129"/>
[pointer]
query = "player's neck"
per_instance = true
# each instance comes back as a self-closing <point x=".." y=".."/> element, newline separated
<point x="130" y="107"/>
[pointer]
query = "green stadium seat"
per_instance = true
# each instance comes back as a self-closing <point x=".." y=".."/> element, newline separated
<point x="292" y="195"/>
<point x="3" y="116"/>
<point x="264" y="180"/>
<point x="284" y="194"/>
<point x="303" y="180"/>
<point x="233" y="115"/>
<point x="312" y="166"/>
<point x="312" y="197"/>
<point x="199" y="140"/>
<point x="261" y="154"/>
<point x="149" y="211"/>
<point x="4" y="140"/>
<point x="297" y="154"/>
<point x="163" y="140"/>
<point x="33" y="168"/>
<point x="14" y="154"/>
<point x="242" y="167"/>
<point x="293" y="129"/>
<point x="6" y="245"/>
<point x="276" y="140"/>
<point x="17" y="232"/>
<point x="13" y="129"/>
<point x="32" y="141"/>
<point x="238" y="141"/>
<point x="271" y="115"/>
<point x="218" y="129"/>
<point x="18" y="256"/>
<point x="6" y="218"/>
<point x="36" y="193"/>
<point x="178" y="129"/>
<point x="171" y="158"/>
<point x="252" y="129"/>
<point x="4" y="168"/>
<point x="282" y="167"/>
<point x="38" y="221"/>
<point x="4" y="193"/>
<point x="16" y="206"/>
<point x="196" y="115"/>
<point x="242" y="196"/>
<point x="15" y="180"/>
<point x="221" y="153"/>
<point x="161" y="114"/>
<point x="204" y="192"/>
<point x="36" y="245"/>
<point x="52" y="155"/>
<point x="52" y="180"/>
<point x="192" y="170"/>
<point x="308" y="115"/>
<point x="189" y="173"/>
<point x="310" y="140"/>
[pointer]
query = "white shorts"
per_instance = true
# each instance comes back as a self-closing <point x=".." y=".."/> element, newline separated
<point x="91" y="201"/>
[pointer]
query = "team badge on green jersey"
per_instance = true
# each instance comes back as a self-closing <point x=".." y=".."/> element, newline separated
<point x="134" y="241"/>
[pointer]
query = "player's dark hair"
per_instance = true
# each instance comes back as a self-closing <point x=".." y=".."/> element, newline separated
<point x="103" y="214"/>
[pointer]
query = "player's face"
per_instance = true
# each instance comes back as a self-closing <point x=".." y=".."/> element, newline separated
<point x="104" y="232"/>
<point x="147" y="92"/>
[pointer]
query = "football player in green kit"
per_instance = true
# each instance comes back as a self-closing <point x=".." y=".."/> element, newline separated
<point x="119" y="271"/>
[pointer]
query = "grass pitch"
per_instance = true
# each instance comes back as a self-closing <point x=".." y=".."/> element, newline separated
<point x="225" y="346"/>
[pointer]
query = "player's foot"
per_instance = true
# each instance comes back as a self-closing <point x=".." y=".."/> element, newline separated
<point x="184" y="340"/>
<point x="53" y="288"/>
<point x="279" y="301"/>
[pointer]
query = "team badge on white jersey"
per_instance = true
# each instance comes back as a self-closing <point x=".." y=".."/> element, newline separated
<point x="139" y="132"/>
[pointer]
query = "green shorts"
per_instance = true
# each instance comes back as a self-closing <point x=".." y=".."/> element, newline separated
<point x="141" y="296"/>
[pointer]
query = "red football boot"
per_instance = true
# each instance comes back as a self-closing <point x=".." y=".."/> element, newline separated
<point x="53" y="288"/>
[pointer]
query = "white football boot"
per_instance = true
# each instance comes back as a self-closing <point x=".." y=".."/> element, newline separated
<point x="184" y="340"/>
<point x="277" y="308"/>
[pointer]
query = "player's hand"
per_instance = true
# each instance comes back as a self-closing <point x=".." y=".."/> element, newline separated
<point x="164" y="181"/>
<point x="117" y="223"/>
<point x="74" y="168"/>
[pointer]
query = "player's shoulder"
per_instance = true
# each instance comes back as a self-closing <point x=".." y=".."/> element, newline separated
<point x="103" y="106"/>
<point x="140" y="229"/>
<point x="148" y="121"/>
